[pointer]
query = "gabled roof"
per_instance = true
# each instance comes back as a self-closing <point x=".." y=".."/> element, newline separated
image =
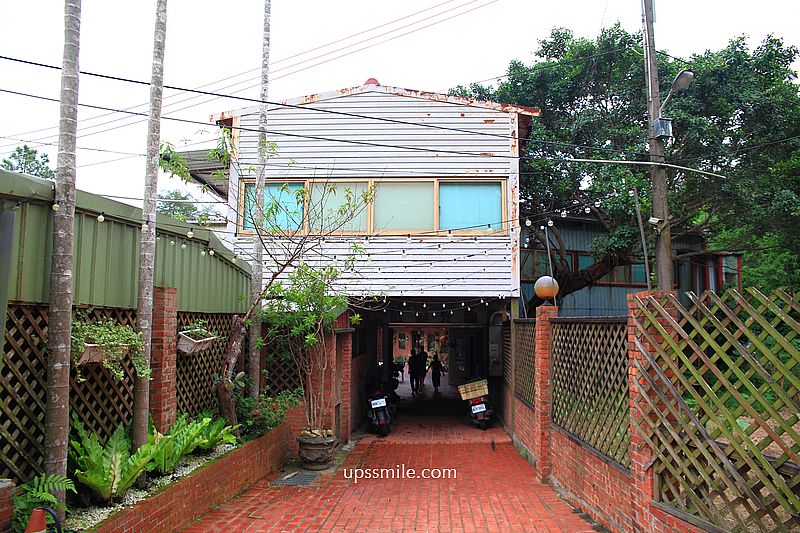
<point x="373" y="86"/>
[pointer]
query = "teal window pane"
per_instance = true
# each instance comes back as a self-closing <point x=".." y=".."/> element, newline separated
<point x="638" y="274"/>
<point x="404" y="206"/>
<point x="338" y="206"/>
<point x="470" y="206"/>
<point x="283" y="206"/>
<point x="585" y="261"/>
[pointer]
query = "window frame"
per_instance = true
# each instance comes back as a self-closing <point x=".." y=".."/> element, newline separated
<point x="370" y="223"/>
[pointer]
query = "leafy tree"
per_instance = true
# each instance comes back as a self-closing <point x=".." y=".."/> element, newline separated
<point x="184" y="209"/>
<point x="27" y="160"/>
<point x="740" y="119"/>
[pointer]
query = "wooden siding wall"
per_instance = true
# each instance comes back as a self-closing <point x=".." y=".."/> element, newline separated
<point x="464" y="267"/>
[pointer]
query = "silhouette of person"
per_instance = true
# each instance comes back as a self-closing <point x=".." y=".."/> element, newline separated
<point x="436" y="367"/>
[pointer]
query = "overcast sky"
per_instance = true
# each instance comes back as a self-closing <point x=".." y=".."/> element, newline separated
<point x="217" y="44"/>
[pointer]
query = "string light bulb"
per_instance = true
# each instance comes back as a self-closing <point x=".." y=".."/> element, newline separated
<point x="528" y="222"/>
<point x="404" y="304"/>
<point x="550" y="223"/>
<point x="190" y="234"/>
<point x="564" y="213"/>
<point x="183" y="246"/>
<point x="443" y="306"/>
<point x="172" y="243"/>
<point x="597" y="203"/>
<point x="56" y="207"/>
<point x="202" y="252"/>
<point x="425" y="305"/>
<point x="101" y="217"/>
<point x="408" y="239"/>
<point x="145" y="227"/>
<point x="587" y="210"/>
<point x="211" y="252"/>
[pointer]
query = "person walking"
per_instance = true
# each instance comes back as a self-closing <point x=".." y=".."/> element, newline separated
<point x="413" y="367"/>
<point x="422" y="369"/>
<point x="437" y="368"/>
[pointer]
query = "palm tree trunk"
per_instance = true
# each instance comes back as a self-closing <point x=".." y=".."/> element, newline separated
<point x="60" y="316"/>
<point x="253" y="352"/>
<point x="144" y="310"/>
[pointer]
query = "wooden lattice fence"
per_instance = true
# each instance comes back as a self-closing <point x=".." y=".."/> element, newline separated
<point x="196" y="374"/>
<point x="98" y="399"/>
<point x="589" y="358"/>
<point x="721" y="405"/>
<point x="524" y="359"/>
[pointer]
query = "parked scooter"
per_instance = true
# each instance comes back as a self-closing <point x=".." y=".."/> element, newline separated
<point x="476" y="395"/>
<point x="479" y="412"/>
<point x="378" y="413"/>
<point x="381" y="408"/>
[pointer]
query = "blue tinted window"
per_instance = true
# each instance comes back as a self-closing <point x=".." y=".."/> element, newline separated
<point x="470" y="206"/>
<point x="283" y="206"/>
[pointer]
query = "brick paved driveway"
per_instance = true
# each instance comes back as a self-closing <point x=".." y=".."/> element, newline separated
<point x="495" y="488"/>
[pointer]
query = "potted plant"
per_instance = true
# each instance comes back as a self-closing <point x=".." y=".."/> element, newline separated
<point x="196" y="337"/>
<point x="300" y="314"/>
<point x="108" y="342"/>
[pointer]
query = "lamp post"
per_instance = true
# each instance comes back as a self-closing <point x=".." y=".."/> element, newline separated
<point x="659" y="128"/>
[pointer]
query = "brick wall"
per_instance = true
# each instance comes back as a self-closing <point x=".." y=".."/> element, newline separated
<point x="7" y="489"/>
<point x="590" y="483"/>
<point x="178" y="505"/>
<point x="618" y="499"/>
<point x="359" y="372"/>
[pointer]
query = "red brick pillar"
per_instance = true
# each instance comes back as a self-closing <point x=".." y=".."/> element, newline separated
<point x="7" y="490"/>
<point x="642" y="478"/>
<point x="163" y="394"/>
<point x="542" y="400"/>
<point x="346" y="357"/>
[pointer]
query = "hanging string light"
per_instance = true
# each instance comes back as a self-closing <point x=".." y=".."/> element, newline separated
<point x="101" y="217"/>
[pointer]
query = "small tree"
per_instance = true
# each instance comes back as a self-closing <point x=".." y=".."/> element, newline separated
<point x="28" y="161"/>
<point x="299" y="314"/>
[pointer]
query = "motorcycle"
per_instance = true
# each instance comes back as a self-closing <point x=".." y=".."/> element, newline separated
<point x="476" y="395"/>
<point x="479" y="412"/>
<point x="378" y="414"/>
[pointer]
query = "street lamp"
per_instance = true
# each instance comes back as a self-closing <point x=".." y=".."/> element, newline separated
<point x="662" y="127"/>
<point x="680" y="83"/>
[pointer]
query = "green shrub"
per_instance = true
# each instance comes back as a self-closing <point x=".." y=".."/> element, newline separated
<point x="181" y="439"/>
<point x="39" y="492"/>
<point x="257" y="416"/>
<point x="110" y="470"/>
<point x="216" y="432"/>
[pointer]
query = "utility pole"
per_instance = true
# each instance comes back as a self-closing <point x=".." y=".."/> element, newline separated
<point x="658" y="174"/>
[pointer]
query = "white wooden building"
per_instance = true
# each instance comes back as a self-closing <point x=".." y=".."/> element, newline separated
<point x="445" y="172"/>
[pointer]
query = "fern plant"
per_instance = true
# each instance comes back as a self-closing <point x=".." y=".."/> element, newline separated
<point x="216" y="432"/>
<point x="181" y="439"/>
<point x="39" y="492"/>
<point x="110" y="470"/>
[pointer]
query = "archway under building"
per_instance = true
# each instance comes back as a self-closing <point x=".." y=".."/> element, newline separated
<point x="469" y="344"/>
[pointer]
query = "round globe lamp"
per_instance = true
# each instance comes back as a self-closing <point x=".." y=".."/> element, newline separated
<point x="546" y="288"/>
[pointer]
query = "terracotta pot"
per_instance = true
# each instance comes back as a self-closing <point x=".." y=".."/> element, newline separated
<point x="316" y="454"/>
<point x="189" y="346"/>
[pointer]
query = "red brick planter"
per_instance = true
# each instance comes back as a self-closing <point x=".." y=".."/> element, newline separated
<point x="178" y="505"/>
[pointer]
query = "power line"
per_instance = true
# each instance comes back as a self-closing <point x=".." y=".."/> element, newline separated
<point x="293" y="65"/>
<point x="366" y="143"/>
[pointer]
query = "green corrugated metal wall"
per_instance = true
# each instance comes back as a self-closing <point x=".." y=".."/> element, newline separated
<point x="106" y="254"/>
